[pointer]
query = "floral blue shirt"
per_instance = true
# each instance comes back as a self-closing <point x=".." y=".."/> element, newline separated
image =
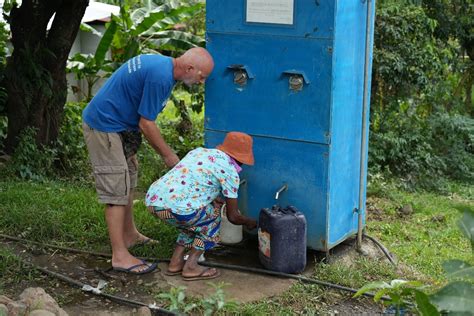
<point x="201" y="176"/>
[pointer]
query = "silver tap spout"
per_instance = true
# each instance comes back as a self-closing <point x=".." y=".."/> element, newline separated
<point x="283" y="188"/>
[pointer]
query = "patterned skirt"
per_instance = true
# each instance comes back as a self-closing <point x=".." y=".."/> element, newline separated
<point x="199" y="230"/>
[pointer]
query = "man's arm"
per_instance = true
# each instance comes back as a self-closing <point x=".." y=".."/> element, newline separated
<point x="153" y="135"/>
<point x="235" y="217"/>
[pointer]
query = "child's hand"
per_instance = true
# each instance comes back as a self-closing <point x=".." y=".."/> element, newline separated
<point x="251" y="224"/>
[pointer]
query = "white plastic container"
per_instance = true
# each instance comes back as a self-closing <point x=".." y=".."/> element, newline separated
<point x="230" y="233"/>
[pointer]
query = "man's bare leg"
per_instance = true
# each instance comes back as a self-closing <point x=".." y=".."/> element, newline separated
<point x="131" y="234"/>
<point x="121" y="258"/>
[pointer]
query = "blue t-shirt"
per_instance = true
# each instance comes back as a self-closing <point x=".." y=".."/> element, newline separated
<point x="139" y="88"/>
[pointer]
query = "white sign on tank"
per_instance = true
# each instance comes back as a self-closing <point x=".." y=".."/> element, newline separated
<point x="270" y="11"/>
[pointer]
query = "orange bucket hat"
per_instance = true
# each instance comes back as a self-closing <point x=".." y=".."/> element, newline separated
<point x="238" y="146"/>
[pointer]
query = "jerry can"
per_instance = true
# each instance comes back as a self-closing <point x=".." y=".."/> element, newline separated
<point x="282" y="239"/>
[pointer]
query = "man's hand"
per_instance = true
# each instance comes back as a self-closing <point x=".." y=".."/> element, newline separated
<point x="171" y="160"/>
<point x="153" y="135"/>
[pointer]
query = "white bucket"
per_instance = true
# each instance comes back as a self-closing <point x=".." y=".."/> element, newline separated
<point x="230" y="233"/>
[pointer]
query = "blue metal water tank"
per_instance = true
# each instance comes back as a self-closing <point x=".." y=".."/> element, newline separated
<point x="291" y="74"/>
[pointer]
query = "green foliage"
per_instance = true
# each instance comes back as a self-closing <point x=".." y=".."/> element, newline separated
<point x="148" y="29"/>
<point x="3" y="129"/>
<point x="421" y="130"/>
<point x="31" y="76"/>
<point x="458" y="269"/>
<point x="401" y="293"/>
<point x="455" y="297"/>
<point x="458" y="295"/>
<point x="356" y="274"/>
<point x="216" y="301"/>
<point x="181" y="140"/>
<point x="30" y="161"/>
<point x="176" y="300"/>
<point x="424" y="152"/>
<point x="454" y="19"/>
<point x="3" y="60"/>
<point x="407" y="58"/>
<point x="13" y="270"/>
<point x="424" y="239"/>
<point x="91" y="69"/>
<point x="467" y="223"/>
<point x="67" y="157"/>
<point x="208" y="304"/>
<point x="72" y="156"/>
<point x="71" y="216"/>
<point x="182" y="143"/>
<point x="8" y="263"/>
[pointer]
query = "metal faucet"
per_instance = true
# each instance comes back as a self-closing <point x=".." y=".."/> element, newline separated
<point x="283" y="188"/>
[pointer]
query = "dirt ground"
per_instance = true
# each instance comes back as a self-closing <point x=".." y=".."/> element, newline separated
<point x="243" y="287"/>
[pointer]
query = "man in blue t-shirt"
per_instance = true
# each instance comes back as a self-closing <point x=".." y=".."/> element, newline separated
<point x="124" y="108"/>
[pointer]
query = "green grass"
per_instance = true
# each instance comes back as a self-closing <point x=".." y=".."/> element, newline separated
<point x="68" y="214"/>
<point x="358" y="273"/>
<point x="13" y="270"/>
<point x="428" y="236"/>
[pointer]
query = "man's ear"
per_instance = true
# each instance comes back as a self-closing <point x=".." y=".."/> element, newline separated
<point x="189" y="68"/>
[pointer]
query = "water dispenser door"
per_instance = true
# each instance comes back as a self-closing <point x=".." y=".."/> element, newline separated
<point x="268" y="100"/>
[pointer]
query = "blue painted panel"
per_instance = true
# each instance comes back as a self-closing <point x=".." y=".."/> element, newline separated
<point x="348" y="88"/>
<point x="309" y="140"/>
<point x="302" y="166"/>
<point x="312" y="19"/>
<point x="266" y="106"/>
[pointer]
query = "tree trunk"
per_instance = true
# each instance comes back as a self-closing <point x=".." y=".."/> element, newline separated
<point x="35" y="76"/>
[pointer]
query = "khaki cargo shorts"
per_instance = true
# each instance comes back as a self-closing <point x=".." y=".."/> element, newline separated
<point x="114" y="175"/>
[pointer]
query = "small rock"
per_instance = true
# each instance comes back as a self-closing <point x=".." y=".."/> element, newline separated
<point x="143" y="311"/>
<point x="37" y="298"/>
<point x="405" y="210"/>
<point x="151" y="284"/>
<point x="16" y="308"/>
<point x="440" y="218"/>
<point x="5" y="300"/>
<point x="41" y="312"/>
<point x="140" y="282"/>
<point x="3" y="309"/>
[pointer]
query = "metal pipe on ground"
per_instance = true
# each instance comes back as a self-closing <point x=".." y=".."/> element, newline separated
<point x="90" y="289"/>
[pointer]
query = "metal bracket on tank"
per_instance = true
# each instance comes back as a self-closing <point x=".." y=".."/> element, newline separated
<point x="296" y="80"/>
<point x="241" y="74"/>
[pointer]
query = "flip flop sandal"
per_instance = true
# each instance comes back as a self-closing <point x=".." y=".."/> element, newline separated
<point x="144" y="242"/>
<point x="130" y="270"/>
<point x="172" y="273"/>
<point x="202" y="276"/>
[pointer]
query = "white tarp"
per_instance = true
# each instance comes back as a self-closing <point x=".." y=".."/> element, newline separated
<point x="96" y="11"/>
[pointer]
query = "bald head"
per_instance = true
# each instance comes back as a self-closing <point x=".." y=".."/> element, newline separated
<point x="194" y="66"/>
